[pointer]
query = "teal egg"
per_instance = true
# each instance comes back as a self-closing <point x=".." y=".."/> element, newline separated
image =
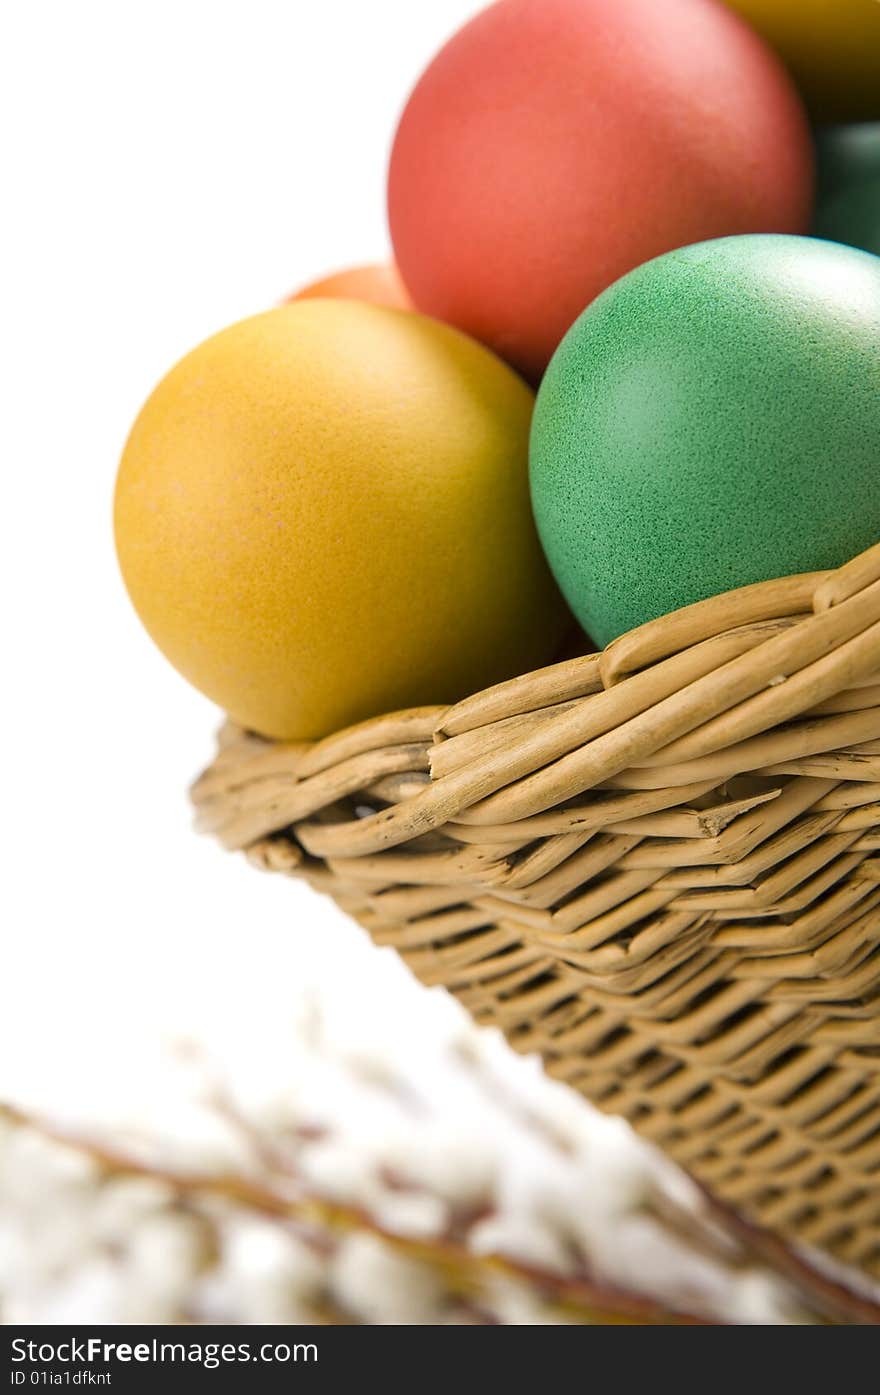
<point x="848" y="193"/>
<point x="852" y="216"/>
<point x="712" y="419"/>
<point x="846" y="155"/>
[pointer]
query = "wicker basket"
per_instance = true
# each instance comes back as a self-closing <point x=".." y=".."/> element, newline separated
<point x="655" y="866"/>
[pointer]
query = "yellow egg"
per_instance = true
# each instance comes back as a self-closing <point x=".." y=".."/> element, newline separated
<point x="832" y="48"/>
<point x="322" y="513"/>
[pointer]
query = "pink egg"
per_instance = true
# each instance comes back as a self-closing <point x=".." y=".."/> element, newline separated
<point x="553" y="145"/>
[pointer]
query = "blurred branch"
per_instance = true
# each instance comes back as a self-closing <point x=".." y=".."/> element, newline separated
<point x="465" y="1275"/>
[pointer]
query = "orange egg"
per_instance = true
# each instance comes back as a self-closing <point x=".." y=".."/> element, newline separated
<point x="377" y="284"/>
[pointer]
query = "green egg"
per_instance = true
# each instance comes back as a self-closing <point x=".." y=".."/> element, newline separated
<point x="846" y="155"/>
<point x="712" y="419"/>
<point x="848" y="192"/>
<point x="852" y="216"/>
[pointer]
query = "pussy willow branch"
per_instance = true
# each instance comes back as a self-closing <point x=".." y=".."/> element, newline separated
<point x="465" y="1275"/>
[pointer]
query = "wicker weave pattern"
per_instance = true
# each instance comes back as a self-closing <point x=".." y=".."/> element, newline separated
<point x="656" y="866"/>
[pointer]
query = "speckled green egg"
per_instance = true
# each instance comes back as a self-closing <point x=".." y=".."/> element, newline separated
<point x="713" y="419"/>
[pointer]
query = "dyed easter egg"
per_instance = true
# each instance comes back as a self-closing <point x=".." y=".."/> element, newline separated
<point x="848" y="196"/>
<point x="377" y="283"/>
<point x="852" y="216"/>
<point x="846" y="155"/>
<point x="712" y="420"/>
<point x="322" y="513"/>
<point x="553" y="145"/>
<point x="831" y="47"/>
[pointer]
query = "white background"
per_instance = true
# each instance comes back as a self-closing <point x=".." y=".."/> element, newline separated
<point x="170" y="167"/>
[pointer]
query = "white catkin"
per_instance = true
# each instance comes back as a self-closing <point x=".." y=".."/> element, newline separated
<point x="457" y="1131"/>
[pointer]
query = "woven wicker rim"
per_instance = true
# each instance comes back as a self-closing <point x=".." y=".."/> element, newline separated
<point x="656" y="866"/>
